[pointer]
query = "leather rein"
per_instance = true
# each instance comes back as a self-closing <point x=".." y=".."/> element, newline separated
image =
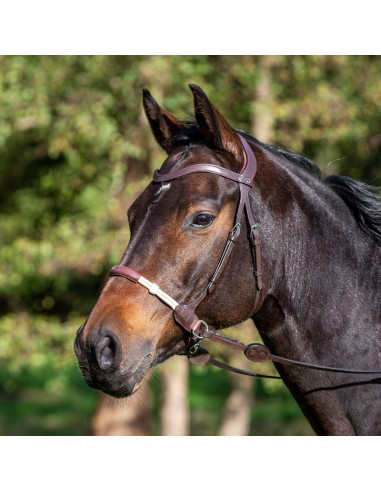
<point x="185" y="315"/>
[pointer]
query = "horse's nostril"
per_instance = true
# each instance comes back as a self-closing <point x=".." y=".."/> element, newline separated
<point x="107" y="352"/>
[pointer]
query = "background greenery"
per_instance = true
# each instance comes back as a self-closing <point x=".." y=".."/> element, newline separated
<point x="75" y="149"/>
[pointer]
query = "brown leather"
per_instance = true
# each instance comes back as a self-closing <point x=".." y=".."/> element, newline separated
<point x="202" y="358"/>
<point x="202" y="168"/>
<point x="126" y="272"/>
<point x="187" y="318"/>
<point x="246" y="177"/>
<point x="257" y="352"/>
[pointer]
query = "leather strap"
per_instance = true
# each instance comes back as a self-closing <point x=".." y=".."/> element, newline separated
<point x="257" y="352"/>
<point x="126" y="272"/>
<point x="246" y="176"/>
<point x="202" y="357"/>
<point x="202" y="168"/>
<point x="154" y="289"/>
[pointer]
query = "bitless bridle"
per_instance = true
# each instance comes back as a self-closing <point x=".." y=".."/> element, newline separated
<point x="185" y="315"/>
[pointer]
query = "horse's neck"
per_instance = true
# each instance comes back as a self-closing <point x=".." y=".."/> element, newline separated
<point x="323" y="293"/>
<point x="315" y="251"/>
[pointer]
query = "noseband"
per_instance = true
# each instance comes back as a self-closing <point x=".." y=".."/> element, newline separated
<point x="184" y="314"/>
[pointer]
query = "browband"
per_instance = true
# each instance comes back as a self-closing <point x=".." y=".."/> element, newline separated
<point x="246" y="176"/>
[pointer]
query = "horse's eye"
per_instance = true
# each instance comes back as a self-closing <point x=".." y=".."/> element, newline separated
<point x="202" y="220"/>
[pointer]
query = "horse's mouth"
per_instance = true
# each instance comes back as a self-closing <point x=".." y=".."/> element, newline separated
<point x="120" y="383"/>
<point x="132" y="383"/>
<point x="166" y="353"/>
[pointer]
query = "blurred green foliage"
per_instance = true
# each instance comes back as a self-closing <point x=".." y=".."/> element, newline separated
<point x="75" y="150"/>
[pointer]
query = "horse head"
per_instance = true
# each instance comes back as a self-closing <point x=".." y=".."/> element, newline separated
<point x="178" y="231"/>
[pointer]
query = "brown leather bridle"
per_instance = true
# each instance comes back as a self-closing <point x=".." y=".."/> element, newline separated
<point x="185" y="314"/>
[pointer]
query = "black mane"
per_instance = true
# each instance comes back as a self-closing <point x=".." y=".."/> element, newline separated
<point x="300" y="160"/>
<point x="362" y="201"/>
<point x="360" y="198"/>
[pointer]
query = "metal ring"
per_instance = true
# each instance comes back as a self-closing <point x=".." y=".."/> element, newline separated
<point x="194" y="348"/>
<point x="206" y="327"/>
<point x="195" y="336"/>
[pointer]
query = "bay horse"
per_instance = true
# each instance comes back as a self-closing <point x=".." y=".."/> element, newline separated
<point x="235" y="229"/>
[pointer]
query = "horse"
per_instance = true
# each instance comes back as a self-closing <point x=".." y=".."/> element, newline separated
<point x="234" y="229"/>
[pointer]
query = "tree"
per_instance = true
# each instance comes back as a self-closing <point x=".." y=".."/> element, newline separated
<point x="126" y="417"/>
<point x="174" y="411"/>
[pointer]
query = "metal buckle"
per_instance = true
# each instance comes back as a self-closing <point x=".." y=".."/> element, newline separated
<point x="193" y="349"/>
<point x="235" y="231"/>
<point x="195" y="337"/>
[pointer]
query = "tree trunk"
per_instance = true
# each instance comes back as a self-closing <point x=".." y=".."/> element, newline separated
<point x="174" y="413"/>
<point x="237" y="410"/>
<point x="236" y="413"/>
<point x="262" y="120"/>
<point x="124" y="417"/>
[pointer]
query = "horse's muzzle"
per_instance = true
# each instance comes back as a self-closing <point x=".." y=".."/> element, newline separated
<point x="100" y="358"/>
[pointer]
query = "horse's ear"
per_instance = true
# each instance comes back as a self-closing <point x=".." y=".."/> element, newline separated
<point x="213" y="125"/>
<point x="164" y="125"/>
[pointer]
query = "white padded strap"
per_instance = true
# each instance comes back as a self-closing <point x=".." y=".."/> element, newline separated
<point x="155" y="290"/>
